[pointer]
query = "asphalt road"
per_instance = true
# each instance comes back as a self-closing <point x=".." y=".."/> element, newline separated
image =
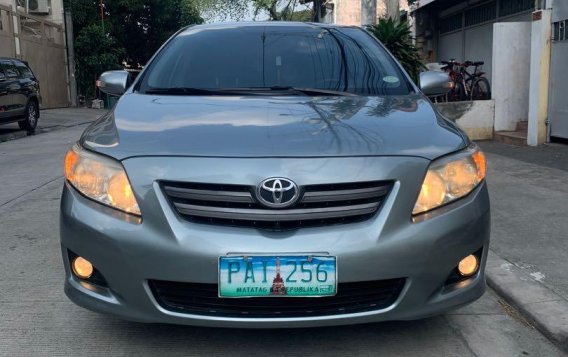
<point x="37" y="319"/>
<point x="529" y="194"/>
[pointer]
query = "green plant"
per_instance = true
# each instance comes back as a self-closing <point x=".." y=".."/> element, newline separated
<point x="130" y="30"/>
<point x="397" y="38"/>
<point x="96" y="52"/>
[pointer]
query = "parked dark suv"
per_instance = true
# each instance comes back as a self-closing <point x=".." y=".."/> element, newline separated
<point x="19" y="94"/>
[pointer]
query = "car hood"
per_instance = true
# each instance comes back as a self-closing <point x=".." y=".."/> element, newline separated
<point x="275" y="126"/>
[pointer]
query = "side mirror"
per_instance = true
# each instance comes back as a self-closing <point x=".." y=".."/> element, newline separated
<point x="114" y="82"/>
<point x="434" y="83"/>
<point x="2" y="77"/>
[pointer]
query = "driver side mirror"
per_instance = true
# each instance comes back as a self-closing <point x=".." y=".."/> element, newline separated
<point x="435" y="83"/>
<point x="114" y="82"/>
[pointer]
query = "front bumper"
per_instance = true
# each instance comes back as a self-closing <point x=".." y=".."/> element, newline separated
<point x="165" y="247"/>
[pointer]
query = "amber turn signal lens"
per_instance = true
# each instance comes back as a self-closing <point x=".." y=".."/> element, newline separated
<point x="468" y="266"/>
<point x="82" y="268"/>
<point x="481" y="163"/>
<point x="71" y="159"/>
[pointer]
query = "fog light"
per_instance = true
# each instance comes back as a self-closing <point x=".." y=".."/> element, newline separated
<point x="82" y="268"/>
<point x="468" y="265"/>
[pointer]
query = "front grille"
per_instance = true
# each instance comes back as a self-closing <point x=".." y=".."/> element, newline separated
<point x="202" y="299"/>
<point x="236" y="205"/>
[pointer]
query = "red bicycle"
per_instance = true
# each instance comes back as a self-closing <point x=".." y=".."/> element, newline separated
<point x="472" y="86"/>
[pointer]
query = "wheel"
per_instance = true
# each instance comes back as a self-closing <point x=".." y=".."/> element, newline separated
<point x="457" y="93"/>
<point x="481" y="90"/>
<point x="31" y="116"/>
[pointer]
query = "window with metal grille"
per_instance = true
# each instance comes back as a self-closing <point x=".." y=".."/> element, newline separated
<point x="480" y="14"/>
<point x="510" y="7"/>
<point x="451" y="23"/>
<point x="560" y="31"/>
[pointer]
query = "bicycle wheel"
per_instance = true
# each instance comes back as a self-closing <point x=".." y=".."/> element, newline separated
<point x="481" y="90"/>
<point x="457" y="93"/>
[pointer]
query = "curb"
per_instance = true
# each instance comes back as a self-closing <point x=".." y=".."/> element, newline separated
<point x="544" y="308"/>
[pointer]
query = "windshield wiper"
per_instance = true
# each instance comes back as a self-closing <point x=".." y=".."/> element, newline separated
<point x="188" y="91"/>
<point x="246" y="90"/>
<point x="312" y="91"/>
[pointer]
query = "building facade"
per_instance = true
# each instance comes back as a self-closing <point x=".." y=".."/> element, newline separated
<point x="359" y="12"/>
<point x="524" y="44"/>
<point x="34" y="32"/>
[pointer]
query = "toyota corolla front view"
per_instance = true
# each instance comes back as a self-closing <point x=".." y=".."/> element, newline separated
<point x="272" y="175"/>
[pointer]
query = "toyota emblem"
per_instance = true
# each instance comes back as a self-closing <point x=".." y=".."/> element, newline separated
<point x="277" y="192"/>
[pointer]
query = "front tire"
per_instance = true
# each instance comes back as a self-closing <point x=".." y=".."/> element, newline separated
<point x="31" y="116"/>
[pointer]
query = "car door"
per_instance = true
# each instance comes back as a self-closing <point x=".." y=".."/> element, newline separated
<point x="11" y="86"/>
<point x="28" y="83"/>
<point x="4" y="99"/>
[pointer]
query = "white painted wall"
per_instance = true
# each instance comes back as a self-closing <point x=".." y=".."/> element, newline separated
<point x="474" y="117"/>
<point x="511" y="73"/>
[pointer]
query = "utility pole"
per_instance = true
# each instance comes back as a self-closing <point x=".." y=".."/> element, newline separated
<point x="102" y="6"/>
<point x="69" y="40"/>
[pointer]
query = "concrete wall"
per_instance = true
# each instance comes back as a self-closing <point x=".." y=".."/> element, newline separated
<point x="511" y="72"/>
<point x="348" y="12"/>
<point x="7" y="44"/>
<point x="355" y="12"/>
<point x="475" y="118"/>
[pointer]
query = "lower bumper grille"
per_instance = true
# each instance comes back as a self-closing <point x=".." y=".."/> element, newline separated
<point x="202" y="299"/>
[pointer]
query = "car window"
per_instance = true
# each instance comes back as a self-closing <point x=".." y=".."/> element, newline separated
<point x="339" y="59"/>
<point x="9" y="69"/>
<point x="24" y="70"/>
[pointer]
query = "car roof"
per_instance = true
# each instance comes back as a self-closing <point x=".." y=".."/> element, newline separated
<point x="242" y="24"/>
<point x="11" y="59"/>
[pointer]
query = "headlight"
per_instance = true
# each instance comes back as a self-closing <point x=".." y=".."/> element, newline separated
<point x="101" y="179"/>
<point x="451" y="178"/>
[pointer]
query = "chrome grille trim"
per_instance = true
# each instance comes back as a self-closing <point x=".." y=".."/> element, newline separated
<point x="324" y="196"/>
<point x="237" y="205"/>
<point x="209" y="195"/>
<point x="275" y="215"/>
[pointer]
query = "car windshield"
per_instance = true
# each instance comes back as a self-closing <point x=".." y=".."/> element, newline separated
<point x="276" y="58"/>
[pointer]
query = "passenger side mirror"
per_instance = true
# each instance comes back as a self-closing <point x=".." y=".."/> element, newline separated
<point x="2" y="77"/>
<point x="114" y="82"/>
<point x="434" y="83"/>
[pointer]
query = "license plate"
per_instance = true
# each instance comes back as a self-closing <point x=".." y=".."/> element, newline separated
<point x="277" y="276"/>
